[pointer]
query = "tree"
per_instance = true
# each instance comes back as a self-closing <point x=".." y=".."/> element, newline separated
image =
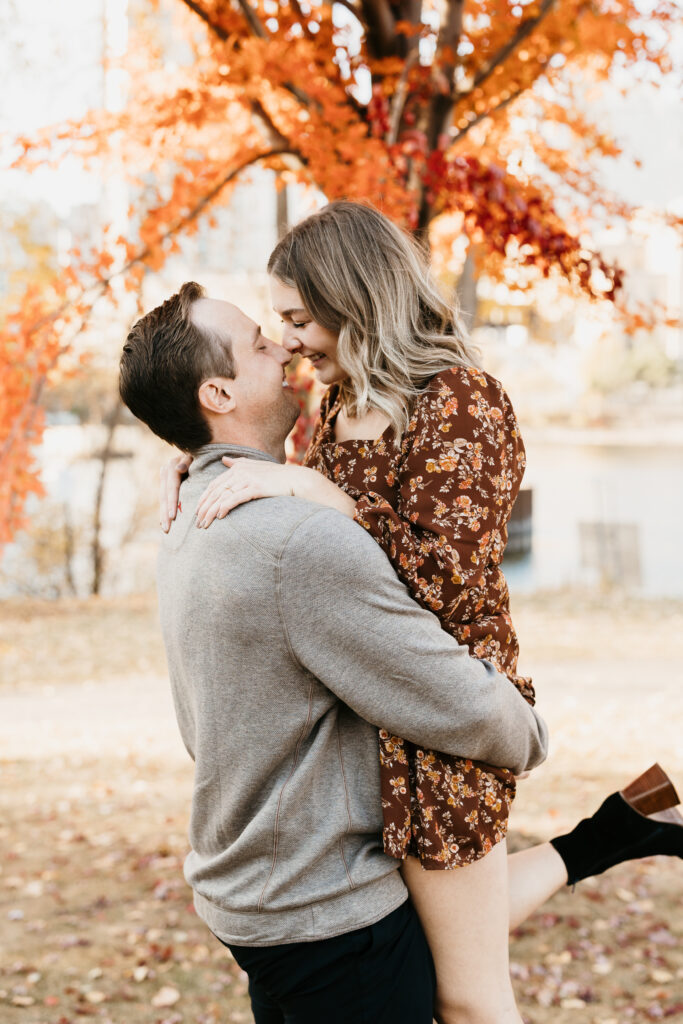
<point x="472" y="111"/>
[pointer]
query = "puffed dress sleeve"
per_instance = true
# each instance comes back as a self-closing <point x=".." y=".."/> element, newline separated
<point x="460" y="471"/>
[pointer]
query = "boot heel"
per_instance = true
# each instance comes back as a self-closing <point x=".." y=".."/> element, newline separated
<point x="621" y="829"/>
<point x="651" y="792"/>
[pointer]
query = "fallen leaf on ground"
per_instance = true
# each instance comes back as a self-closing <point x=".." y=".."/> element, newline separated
<point x="95" y="997"/>
<point x="166" y="996"/>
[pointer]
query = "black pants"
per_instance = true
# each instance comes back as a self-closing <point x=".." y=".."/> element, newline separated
<point x="382" y="974"/>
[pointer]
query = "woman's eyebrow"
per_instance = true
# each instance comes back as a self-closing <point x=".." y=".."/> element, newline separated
<point x="296" y="309"/>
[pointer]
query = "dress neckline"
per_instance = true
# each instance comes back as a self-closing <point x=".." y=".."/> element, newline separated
<point x="329" y="424"/>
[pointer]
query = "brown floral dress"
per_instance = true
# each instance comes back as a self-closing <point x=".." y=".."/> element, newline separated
<point x="438" y="505"/>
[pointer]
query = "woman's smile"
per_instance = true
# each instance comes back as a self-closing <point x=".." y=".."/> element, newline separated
<point x="300" y="332"/>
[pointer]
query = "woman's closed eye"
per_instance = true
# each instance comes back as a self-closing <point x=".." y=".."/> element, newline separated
<point x="297" y="325"/>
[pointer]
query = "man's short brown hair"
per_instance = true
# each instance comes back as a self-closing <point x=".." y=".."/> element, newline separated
<point x="165" y="359"/>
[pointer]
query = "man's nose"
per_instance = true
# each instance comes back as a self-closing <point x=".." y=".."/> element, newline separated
<point x="280" y="353"/>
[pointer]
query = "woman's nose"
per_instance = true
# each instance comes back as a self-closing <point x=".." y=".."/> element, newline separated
<point x="289" y="340"/>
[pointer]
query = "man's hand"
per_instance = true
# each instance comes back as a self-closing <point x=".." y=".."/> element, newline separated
<point x="170" y="478"/>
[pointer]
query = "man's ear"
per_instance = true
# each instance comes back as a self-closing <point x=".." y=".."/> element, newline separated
<point x="217" y="395"/>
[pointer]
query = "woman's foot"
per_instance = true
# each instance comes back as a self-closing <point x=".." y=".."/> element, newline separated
<point x="640" y="821"/>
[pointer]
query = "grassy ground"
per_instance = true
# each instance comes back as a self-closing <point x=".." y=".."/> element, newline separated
<point x="95" y="918"/>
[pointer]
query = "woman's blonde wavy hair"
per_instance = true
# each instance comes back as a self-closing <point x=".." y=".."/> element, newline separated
<point x="364" y="279"/>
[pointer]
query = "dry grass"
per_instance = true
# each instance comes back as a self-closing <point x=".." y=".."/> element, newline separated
<point x="96" y="920"/>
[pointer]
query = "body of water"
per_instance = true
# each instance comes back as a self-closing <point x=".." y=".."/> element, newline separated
<point x="603" y="514"/>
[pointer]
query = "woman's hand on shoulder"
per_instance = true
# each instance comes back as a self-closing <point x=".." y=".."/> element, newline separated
<point x="244" y="480"/>
<point x="170" y="478"/>
<point x="247" y="479"/>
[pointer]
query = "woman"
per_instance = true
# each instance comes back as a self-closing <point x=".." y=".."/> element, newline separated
<point x="422" y="448"/>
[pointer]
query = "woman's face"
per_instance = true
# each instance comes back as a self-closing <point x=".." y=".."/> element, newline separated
<point x="300" y="333"/>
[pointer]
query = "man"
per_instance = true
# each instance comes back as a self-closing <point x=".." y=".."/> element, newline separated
<point x="289" y="639"/>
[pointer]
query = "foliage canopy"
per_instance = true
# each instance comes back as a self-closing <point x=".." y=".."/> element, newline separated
<point x="473" y="110"/>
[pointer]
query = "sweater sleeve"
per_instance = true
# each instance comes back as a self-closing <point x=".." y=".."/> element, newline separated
<point x="459" y="476"/>
<point x="353" y="625"/>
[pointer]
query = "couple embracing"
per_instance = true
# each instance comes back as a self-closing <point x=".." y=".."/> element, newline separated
<point x="340" y="647"/>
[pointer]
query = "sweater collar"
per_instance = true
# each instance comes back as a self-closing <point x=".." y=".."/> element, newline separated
<point x="210" y="453"/>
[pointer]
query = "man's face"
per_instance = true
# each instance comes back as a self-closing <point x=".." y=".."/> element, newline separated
<point x="263" y="401"/>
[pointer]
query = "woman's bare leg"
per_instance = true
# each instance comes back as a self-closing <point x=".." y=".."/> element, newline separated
<point x="465" y="915"/>
<point x="534" y="875"/>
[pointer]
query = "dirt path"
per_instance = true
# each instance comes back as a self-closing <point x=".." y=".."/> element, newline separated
<point x="95" y="918"/>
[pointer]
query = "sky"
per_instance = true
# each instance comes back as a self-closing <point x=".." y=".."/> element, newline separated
<point x="51" y="54"/>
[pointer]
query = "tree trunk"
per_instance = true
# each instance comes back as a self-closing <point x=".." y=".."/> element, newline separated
<point x="105" y="457"/>
<point x="466" y="289"/>
<point x="69" y="549"/>
<point x="282" y="210"/>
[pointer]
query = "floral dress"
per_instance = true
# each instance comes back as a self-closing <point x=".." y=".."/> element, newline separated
<point x="438" y="505"/>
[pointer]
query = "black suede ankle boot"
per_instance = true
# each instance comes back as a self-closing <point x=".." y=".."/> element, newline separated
<point x="615" y="833"/>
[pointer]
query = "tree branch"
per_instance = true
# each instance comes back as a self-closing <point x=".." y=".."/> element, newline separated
<point x="450" y="31"/>
<point x="278" y="139"/>
<point x="488" y="113"/>
<point x="102" y="286"/>
<point x="199" y="208"/>
<point x="253" y="19"/>
<point x="97" y="291"/>
<point x="349" y="6"/>
<point x="256" y="27"/>
<point x="201" y="13"/>
<point x="205" y="201"/>
<point x="23" y="423"/>
<point x="523" y="31"/>
<point x="399" y="98"/>
<point x="302" y="18"/>
<point x="381" y="27"/>
<point x="443" y="102"/>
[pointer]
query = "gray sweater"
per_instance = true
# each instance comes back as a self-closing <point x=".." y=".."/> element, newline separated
<point x="289" y="640"/>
